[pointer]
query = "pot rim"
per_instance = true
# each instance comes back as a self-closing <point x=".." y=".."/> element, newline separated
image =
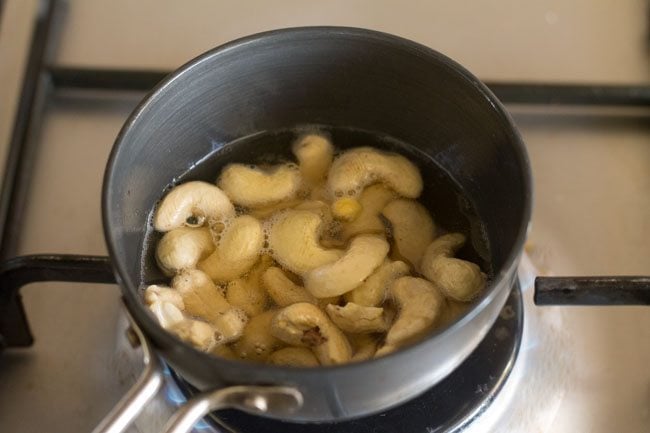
<point x="151" y="326"/>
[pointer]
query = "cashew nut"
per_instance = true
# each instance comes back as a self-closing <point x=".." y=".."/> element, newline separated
<point x="458" y="279"/>
<point x="365" y="254"/>
<point x="267" y="211"/>
<point x="155" y="293"/>
<point x="282" y="290"/>
<point x="364" y="346"/>
<point x="237" y="251"/>
<point x="306" y="325"/>
<point x="420" y="305"/>
<point x="452" y="311"/>
<point x="346" y="209"/>
<point x="373" y="199"/>
<point x="314" y="154"/>
<point x="257" y="342"/>
<point x="372" y="291"/>
<point x="294" y="357"/>
<point x="293" y="238"/>
<point x="248" y="293"/>
<point x="167" y="313"/>
<point x="200" y="296"/>
<point x="191" y="204"/>
<point x="353" y="170"/>
<point x="357" y="319"/>
<point x="254" y="187"/>
<point x="230" y="325"/>
<point x="182" y="248"/>
<point x="202" y="335"/>
<point x="412" y="228"/>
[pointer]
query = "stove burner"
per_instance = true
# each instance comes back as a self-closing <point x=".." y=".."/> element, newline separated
<point x="450" y="406"/>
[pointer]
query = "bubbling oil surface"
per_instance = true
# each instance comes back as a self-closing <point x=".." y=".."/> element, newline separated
<point x="442" y="196"/>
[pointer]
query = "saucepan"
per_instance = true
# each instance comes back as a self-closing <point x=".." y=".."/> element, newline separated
<point x="333" y="78"/>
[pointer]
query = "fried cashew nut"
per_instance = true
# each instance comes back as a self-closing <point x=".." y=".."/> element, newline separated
<point x="412" y="228"/>
<point x="458" y="279"/>
<point x="200" y="296"/>
<point x="155" y="293"/>
<point x="364" y="255"/>
<point x="238" y="250"/>
<point x="255" y="187"/>
<point x="306" y="325"/>
<point x="294" y="357"/>
<point x="201" y="335"/>
<point x="420" y="304"/>
<point x="248" y="293"/>
<point x="314" y="153"/>
<point x="364" y="346"/>
<point x="167" y="313"/>
<point x="357" y="319"/>
<point x="356" y="168"/>
<point x="203" y="299"/>
<point x="293" y="239"/>
<point x="372" y="292"/>
<point x="257" y="342"/>
<point x="372" y="200"/>
<point x="346" y="209"/>
<point x="282" y="290"/>
<point x="191" y="204"/>
<point x="183" y="248"/>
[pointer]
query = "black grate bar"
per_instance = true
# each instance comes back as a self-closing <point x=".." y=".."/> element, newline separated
<point x="22" y="146"/>
<point x="509" y="93"/>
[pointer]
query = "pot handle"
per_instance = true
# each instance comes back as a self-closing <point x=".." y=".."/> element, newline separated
<point x="20" y="271"/>
<point x="592" y="291"/>
<point x="276" y="400"/>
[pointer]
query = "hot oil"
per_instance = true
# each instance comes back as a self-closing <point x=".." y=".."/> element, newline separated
<point x="442" y="196"/>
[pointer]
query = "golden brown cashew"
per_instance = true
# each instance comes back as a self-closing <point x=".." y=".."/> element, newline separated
<point x="238" y="250"/>
<point x="257" y="342"/>
<point x="314" y="154"/>
<point x="183" y="248"/>
<point x="412" y="227"/>
<point x="356" y="168"/>
<point x="420" y="304"/>
<point x="248" y="293"/>
<point x="306" y="325"/>
<point x="293" y="238"/>
<point x="294" y="357"/>
<point x="255" y="187"/>
<point x="373" y="199"/>
<point x="458" y="279"/>
<point x="357" y="319"/>
<point x="282" y="290"/>
<point x="190" y="204"/>
<point x="365" y="254"/>
<point x="372" y="291"/>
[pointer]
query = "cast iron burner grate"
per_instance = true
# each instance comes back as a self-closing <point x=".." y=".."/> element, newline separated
<point x="449" y="406"/>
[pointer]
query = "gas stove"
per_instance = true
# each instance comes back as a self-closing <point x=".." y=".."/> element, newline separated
<point x="577" y="369"/>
